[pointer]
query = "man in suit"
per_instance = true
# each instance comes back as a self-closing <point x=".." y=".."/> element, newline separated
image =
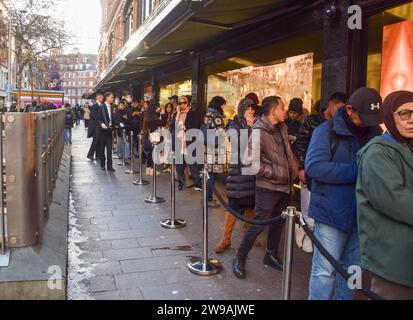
<point x="93" y="130"/>
<point x="105" y="119"/>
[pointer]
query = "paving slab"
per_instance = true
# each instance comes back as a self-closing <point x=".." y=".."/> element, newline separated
<point x="118" y="250"/>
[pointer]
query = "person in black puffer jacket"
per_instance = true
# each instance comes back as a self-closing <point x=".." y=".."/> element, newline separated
<point x="240" y="188"/>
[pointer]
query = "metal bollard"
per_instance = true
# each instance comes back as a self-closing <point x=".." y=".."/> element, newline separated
<point x="290" y="214"/>
<point x="140" y="182"/>
<point x="132" y="156"/>
<point x="173" y="223"/>
<point x="154" y="199"/>
<point x="123" y="163"/>
<point x="205" y="266"/>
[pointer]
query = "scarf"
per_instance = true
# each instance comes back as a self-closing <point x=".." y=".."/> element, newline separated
<point x="390" y="105"/>
<point x="180" y="124"/>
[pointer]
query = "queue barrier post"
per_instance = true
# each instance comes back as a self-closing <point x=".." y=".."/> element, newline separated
<point x="140" y="181"/>
<point x="290" y="216"/>
<point x="173" y="222"/>
<point x="132" y="162"/>
<point x="205" y="266"/>
<point x="154" y="199"/>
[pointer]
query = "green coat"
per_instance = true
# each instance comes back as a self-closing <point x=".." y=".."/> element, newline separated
<point x="385" y="210"/>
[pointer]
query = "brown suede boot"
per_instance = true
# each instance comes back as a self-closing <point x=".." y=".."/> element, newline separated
<point x="225" y="242"/>
<point x="249" y="214"/>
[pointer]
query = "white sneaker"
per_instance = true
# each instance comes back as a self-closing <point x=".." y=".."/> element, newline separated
<point x="299" y="236"/>
<point x="308" y="245"/>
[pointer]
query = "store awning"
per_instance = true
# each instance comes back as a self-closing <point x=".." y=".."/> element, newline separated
<point x="180" y="27"/>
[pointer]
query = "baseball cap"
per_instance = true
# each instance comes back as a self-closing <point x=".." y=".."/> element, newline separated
<point x="367" y="103"/>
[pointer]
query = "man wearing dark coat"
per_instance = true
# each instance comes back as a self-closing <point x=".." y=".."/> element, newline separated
<point x="93" y="131"/>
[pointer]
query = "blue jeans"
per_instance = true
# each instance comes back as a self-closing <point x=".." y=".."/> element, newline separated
<point x="68" y="135"/>
<point x="212" y="180"/>
<point x="345" y="248"/>
<point x="123" y="147"/>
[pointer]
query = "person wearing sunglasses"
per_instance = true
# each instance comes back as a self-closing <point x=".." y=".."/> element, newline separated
<point x="183" y="120"/>
<point x="385" y="201"/>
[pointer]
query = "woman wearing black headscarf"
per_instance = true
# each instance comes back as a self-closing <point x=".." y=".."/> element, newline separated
<point x="385" y="201"/>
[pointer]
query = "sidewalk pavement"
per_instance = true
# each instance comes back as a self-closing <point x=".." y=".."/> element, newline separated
<point x="118" y="250"/>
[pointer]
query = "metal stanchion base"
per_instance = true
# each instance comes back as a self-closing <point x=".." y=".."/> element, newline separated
<point x="131" y="172"/>
<point x="121" y="165"/>
<point x="141" y="183"/>
<point x="199" y="267"/>
<point x="154" y="200"/>
<point x="5" y="259"/>
<point x="173" y="224"/>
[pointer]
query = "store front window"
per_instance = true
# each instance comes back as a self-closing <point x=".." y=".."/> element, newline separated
<point x="290" y="78"/>
<point x="179" y="89"/>
<point x="390" y="59"/>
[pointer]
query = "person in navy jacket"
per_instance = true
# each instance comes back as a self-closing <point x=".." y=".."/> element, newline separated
<point x="331" y="165"/>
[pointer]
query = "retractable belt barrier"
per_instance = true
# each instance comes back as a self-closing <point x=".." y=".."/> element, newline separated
<point x="189" y="186"/>
<point x="291" y="213"/>
<point x="368" y="293"/>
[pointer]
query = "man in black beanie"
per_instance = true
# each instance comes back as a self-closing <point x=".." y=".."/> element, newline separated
<point x="295" y="111"/>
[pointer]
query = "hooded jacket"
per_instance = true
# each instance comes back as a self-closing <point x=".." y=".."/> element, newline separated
<point x="334" y="176"/>
<point x="385" y="209"/>
<point x="278" y="166"/>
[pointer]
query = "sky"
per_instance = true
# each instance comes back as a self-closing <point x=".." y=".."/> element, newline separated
<point x="83" y="19"/>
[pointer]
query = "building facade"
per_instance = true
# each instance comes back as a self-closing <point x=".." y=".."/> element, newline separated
<point x="120" y="19"/>
<point x="78" y="74"/>
<point x="156" y="48"/>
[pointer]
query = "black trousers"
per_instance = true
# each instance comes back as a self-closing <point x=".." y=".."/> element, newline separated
<point x="94" y="147"/>
<point x="194" y="170"/>
<point x="268" y="204"/>
<point x="105" y="144"/>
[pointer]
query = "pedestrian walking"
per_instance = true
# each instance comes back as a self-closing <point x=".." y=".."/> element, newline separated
<point x="69" y="121"/>
<point x="385" y="201"/>
<point x="87" y="115"/>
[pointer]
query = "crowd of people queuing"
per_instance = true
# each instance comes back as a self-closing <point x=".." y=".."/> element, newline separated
<point x="356" y="179"/>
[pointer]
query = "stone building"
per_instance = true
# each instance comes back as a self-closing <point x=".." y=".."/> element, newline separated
<point x="78" y="73"/>
<point x="158" y="48"/>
